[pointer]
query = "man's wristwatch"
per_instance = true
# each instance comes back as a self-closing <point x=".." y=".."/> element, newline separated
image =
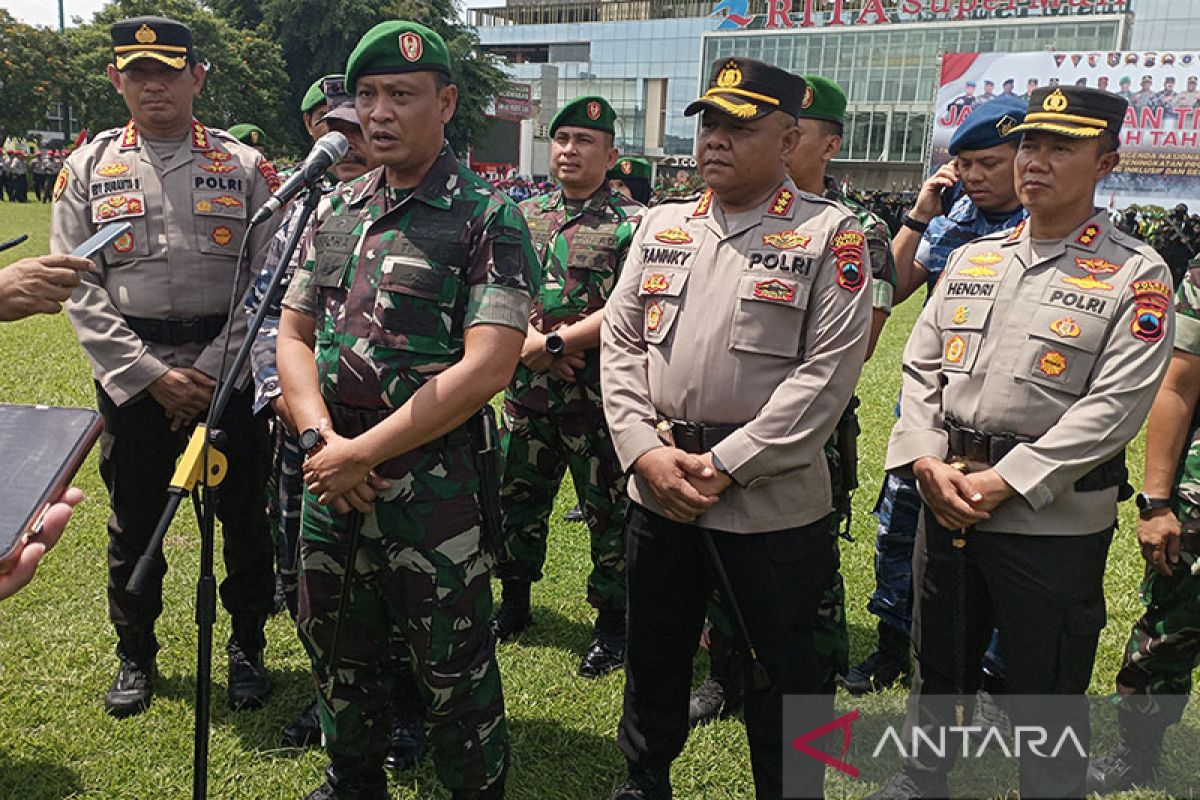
<point x="1146" y="503"/>
<point x="915" y="224"/>
<point x="555" y="344"/>
<point x="310" y="439"/>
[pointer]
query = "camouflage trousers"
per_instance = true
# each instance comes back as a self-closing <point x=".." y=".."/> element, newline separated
<point x="536" y="450"/>
<point x="1164" y="647"/>
<point x="421" y="579"/>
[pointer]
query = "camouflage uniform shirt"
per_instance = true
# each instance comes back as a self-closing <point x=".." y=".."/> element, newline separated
<point x="1187" y="340"/>
<point x="581" y="249"/>
<point x="395" y="277"/>
<point x="964" y="224"/>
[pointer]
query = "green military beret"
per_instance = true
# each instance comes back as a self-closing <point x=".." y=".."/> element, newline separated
<point x="313" y="97"/>
<point x="397" y="46"/>
<point x="824" y="99"/>
<point x="589" y="111"/>
<point x="249" y="134"/>
<point x="630" y="168"/>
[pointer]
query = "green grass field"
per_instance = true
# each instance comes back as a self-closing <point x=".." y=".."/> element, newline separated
<point x="56" y="643"/>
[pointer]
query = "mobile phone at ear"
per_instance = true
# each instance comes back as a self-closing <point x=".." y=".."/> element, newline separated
<point x="101" y="239"/>
<point x="43" y="447"/>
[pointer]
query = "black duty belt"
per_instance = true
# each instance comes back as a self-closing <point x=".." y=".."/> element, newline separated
<point x="699" y="437"/>
<point x="968" y="444"/>
<point x="176" y="331"/>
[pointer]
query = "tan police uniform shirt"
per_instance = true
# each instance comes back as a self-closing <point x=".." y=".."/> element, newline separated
<point x="758" y="320"/>
<point x="1065" y="342"/>
<point x="189" y="214"/>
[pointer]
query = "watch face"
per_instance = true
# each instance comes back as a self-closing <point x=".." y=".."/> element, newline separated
<point x="309" y="439"/>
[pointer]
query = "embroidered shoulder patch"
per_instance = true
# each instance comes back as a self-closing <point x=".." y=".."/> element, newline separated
<point x="60" y="183"/>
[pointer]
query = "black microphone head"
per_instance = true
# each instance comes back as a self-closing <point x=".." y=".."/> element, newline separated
<point x="335" y="144"/>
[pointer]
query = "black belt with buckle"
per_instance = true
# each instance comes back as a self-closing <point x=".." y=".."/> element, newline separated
<point x="176" y="331"/>
<point x="699" y="437"/>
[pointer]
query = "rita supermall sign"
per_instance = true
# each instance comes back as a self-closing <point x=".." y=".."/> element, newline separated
<point x="747" y="15"/>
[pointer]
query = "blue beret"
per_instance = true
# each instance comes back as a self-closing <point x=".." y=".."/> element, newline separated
<point x="988" y="125"/>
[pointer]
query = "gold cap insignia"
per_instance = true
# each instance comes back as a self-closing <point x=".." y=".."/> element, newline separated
<point x="729" y="76"/>
<point x="146" y="35"/>
<point x="1056" y="101"/>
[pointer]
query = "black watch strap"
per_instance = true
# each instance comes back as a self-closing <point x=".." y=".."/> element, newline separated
<point x="915" y="224"/>
<point x="309" y="439"/>
<point x="1146" y="503"/>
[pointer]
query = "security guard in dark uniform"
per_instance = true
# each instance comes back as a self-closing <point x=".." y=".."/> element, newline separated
<point x="152" y="322"/>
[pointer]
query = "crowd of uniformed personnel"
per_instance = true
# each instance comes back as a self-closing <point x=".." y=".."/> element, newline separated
<point x="692" y="365"/>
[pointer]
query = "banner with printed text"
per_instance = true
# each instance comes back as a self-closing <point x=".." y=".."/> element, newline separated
<point x="1160" y="140"/>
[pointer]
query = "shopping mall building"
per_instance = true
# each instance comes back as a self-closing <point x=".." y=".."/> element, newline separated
<point x="650" y="58"/>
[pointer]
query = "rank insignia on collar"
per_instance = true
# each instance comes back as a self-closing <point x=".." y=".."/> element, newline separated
<point x="1088" y="234"/>
<point x="956" y="349"/>
<point x="1017" y="231"/>
<point x="114" y="169"/>
<point x="1066" y="327"/>
<point x="130" y="138"/>
<point x="776" y="290"/>
<point x="674" y="235"/>
<point x="978" y="272"/>
<point x="1088" y="283"/>
<point x="199" y="136"/>
<point x="781" y="203"/>
<point x="1097" y="266"/>
<point x="1052" y="364"/>
<point x="654" y="315"/>
<point x="786" y="240"/>
<point x="704" y="205"/>
<point x="961" y="315"/>
<point x="218" y="168"/>
<point x="656" y="283"/>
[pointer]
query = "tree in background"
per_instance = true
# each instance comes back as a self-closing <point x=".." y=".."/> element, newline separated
<point x="247" y="81"/>
<point x="31" y="75"/>
<point x="316" y="38"/>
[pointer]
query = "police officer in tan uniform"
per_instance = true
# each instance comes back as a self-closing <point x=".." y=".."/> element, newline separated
<point x="730" y="347"/>
<point x="153" y="322"/>
<point x="1032" y="366"/>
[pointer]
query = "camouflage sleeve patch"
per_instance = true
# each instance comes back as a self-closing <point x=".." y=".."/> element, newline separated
<point x="488" y="304"/>
<point x="1187" y="313"/>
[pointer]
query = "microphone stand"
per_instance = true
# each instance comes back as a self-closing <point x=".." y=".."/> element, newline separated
<point x="202" y="461"/>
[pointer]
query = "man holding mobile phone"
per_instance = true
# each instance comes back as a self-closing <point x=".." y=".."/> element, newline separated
<point x="31" y="553"/>
<point x="153" y="323"/>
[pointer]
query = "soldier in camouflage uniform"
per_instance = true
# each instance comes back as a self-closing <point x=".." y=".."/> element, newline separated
<point x="414" y="296"/>
<point x="553" y="417"/>
<point x="820" y="123"/>
<point x="1164" y="646"/>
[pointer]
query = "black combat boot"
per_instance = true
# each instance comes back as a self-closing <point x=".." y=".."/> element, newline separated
<point x="607" y="650"/>
<point x="645" y="784"/>
<point x="514" y="615"/>
<point x="248" y="683"/>
<point x="720" y="695"/>
<point x="133" y="688"/>
<point x="346" y="785"/>
<point x="1134" y="759"/>
<point x="305" y="729"/>
<point x="408" y="744"/>
<point x="880" y="669"/>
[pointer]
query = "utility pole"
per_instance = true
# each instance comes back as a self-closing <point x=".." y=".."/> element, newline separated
<point x="65" y="120"/>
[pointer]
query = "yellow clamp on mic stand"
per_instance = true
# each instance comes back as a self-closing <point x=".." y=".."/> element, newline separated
<point x="190" y="469"/>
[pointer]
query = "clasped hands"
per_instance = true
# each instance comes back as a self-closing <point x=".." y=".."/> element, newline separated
<point x="340" y="473"/>
<point x="535" y="357"/>
<point x="959" y="500"/>
<point x="685" y="485"/>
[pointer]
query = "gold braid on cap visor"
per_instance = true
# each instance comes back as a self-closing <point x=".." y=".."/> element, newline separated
<point x="743" y="110"/>
<point x="1078" y="133"/>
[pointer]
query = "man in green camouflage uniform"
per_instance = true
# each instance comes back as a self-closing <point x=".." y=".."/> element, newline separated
<point x="414" y="295"/>
<point x="553" y="417"/>
<point x="1164" y="646"/>
<point x="820" y="124"/>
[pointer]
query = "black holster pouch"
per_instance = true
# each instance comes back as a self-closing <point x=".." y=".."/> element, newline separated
<point x="848" y="430"/>
<point x="485" y="449"/>
<point x="1111" y="473"/>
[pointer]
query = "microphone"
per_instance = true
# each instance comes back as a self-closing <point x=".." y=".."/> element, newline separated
<point x="327" y="151"/>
